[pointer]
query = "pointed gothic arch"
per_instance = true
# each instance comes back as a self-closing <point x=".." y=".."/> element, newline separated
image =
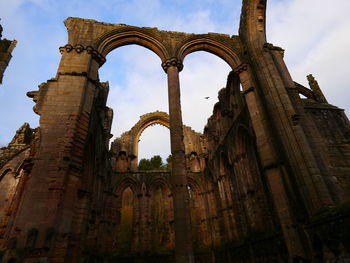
<point x="146" y="120"/>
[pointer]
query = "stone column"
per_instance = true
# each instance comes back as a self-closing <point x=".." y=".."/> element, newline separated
<point x="50" y="196"/>
<point x="271" y="161"/>
<point x="317" y="189"/>
<point x="182" y="220"/>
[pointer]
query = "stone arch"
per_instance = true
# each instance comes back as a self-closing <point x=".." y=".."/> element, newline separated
<point x="128" y="141"/>
<point x="8" y="186"/>
<point x="6" y="171"/>
<point x="214" y="46"/>
<point x="161" y="218"/>
<point x="128" y="35"/>
<point x="242" y="147"/>
<point x="14" y="168"/>
<point x="79" y="71"/>
<point x="226" y="190"/>
<point x="10" y="189"/>
<point x="128" y="182"/>
<point x="146" y="120"/>
<point x="194" y="162"/>
<point x="126" y="215"/>
<point x="127" y="220"/>
<point x="234" y="88"/>
<point x="248" y="178"/>
<point x="199" y="213"/>
<point x="159" y="182"/>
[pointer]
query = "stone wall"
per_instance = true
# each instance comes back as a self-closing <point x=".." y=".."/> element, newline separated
<point x="267" y="181"/>
<point x="124" y="149"/>
<point x="12" y="165"/>
<point x="6" y="48"/>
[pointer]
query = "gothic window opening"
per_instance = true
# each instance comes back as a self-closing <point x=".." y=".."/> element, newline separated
<point x="160" y="225"/>
<point x="154" y="140"/>
<point x="126" y="221"/>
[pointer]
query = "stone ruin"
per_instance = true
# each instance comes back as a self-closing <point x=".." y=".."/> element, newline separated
<point x="267" y="181"/>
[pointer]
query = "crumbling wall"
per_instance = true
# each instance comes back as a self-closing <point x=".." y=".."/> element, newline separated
<point x="6" y="48"/>
<point x="12" y="162"/>
<point x="124" y="149"/>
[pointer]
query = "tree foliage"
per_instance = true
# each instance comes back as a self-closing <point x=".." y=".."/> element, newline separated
<point x="145" y="164"/>
<point x="168" y="162"/>
<point x="155" y="163"/>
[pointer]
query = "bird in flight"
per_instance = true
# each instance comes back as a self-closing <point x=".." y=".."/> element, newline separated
<point x="206" y="98"/>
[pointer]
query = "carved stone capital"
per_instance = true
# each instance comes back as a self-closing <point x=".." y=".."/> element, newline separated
<point x="89" y="50"/>
<point x="67" y="48"/>
<point x="172" y="62"/>
<point x="243" y="67"/>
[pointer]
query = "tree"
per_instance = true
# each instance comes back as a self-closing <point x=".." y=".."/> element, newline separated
<point x="145" y="164"/>
<point x="156" y="162"/>
<point x="168" y="162"/>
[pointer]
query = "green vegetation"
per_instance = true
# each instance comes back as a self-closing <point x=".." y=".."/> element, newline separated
<point x="155" y="163"/>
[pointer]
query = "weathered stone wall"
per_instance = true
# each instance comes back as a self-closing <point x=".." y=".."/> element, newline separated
<point x="151" y="215"/>
<point x="12" y="165"/>
<point x="10" y="175"/>
<point x="245" y="212"/>
<point x="331" y="136"/>
<point x="268" y="181"/>
<point x="90" y="231"/>
<point x="124" y="149"/>
<point x="6" y="48"/>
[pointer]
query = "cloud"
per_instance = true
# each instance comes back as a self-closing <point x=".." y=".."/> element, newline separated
<point x="144" y="89"/>
<point x="315" y="36"/>
<point x="203" y="76"/>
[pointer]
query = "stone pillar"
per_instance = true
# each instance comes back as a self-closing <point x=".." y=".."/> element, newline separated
<point x="314" y="188"/>
<point x="50" y="200"/>
<point x="274" y="168"/>
<point x="182" y="220"/>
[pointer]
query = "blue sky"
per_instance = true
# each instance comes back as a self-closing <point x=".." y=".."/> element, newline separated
<point x="314" y="33"/>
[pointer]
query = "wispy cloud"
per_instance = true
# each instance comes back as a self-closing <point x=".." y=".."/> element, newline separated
<point x="315" y="36"/>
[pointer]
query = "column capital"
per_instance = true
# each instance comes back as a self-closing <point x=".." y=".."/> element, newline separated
<point x="97" y="56"/>
<point x="240" y="68"/>
<point x="172" y="62"/>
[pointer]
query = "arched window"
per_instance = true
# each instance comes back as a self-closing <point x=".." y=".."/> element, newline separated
<point x="161" y="217"/>
<point x="8" y="170"/>
<point x="126" y="222"/>
<point x="7" y="186"/>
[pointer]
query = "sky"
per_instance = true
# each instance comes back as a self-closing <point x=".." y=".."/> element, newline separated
<point x="314" y="33"/>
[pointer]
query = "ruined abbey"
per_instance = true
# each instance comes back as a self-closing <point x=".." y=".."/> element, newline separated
<point x="268" y="180"/>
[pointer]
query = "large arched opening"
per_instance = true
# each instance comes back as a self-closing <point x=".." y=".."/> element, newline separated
<point x="159" y="43"/>
<point x="217" y="47"/>
<point x="204" y="74"/>
<point x="171" y="48"/>
<point x="154" y="141"/>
